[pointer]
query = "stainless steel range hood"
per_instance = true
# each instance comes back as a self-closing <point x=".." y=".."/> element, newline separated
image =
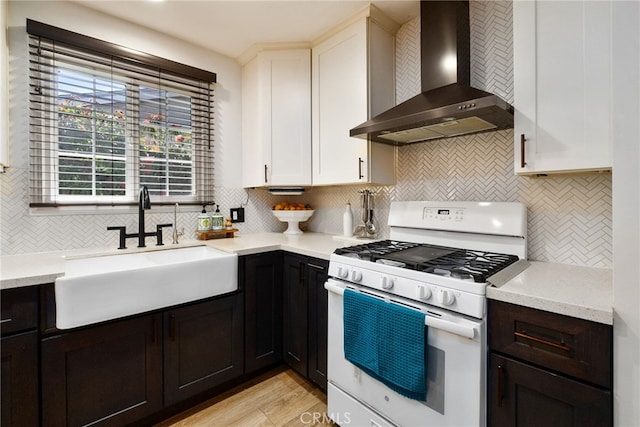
<point x="448" y="106"/>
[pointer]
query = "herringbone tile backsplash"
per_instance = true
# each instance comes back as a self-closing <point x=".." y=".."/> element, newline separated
<point x="569" y="217"/>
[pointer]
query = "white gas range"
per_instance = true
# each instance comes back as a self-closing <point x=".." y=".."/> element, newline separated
<point x="439" y="260"/>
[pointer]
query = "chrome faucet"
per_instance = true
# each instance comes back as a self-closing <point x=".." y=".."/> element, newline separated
<point x="176" y="233"/>
<point x="144" y="203"/>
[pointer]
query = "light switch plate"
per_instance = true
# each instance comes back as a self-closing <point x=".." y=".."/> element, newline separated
<point x="237" y="214"/>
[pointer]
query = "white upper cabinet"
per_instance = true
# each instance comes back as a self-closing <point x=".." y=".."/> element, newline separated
<point x="562" y="81"/>
<point x="276" y="119"/>
<point x="352" y="80"/>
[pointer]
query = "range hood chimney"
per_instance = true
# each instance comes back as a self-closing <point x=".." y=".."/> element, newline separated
<point x="448" y="106"/>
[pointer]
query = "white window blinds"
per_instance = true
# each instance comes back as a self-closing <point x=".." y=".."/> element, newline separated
<point x="103" y="124"/>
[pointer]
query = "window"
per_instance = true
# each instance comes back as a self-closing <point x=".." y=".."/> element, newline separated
<point x="103" y="124"/>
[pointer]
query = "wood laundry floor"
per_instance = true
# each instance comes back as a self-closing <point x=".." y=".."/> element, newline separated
<point x="279" y="397"/>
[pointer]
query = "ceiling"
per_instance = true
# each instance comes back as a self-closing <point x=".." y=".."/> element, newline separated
<point x="230" y="27"/>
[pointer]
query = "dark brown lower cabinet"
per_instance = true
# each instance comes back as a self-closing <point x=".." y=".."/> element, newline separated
<point x="19" y="379"/>
<point x="19" y="382"/>
<point x="548" y="369"/>
<point x="317" y="275"/>
<point x="118" y="373"/>
<point x="305" y="317"/>
<point x="262" y="278"/>
<point x="296" y="313"/>
<point x="203" y="347"/>
<point x="525" y="396"/>
<point x="286" y="313"/>
<point x="109" y="375"/>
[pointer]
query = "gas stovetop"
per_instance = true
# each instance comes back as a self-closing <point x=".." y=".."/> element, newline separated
<point x="464" y="264"/>
<point x="424" y="260"/>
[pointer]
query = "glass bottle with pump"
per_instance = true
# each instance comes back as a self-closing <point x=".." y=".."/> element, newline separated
<point x="217" y="219"/>
<point x="204" y="220"/>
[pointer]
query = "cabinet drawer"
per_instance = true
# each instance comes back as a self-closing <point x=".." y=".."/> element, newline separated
<point x="575" y="347"/>
<point x="19" y="308"/>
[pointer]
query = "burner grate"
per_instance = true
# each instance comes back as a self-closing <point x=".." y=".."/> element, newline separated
<point x="375" y="250"/>
<point x="468" y="264"/>
<point x="453" y="262"/>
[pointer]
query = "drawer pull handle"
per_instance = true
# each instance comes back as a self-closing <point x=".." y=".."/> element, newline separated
<point x="6" y="320"/>
<point x="293" y="356"/>
<point x="542" y="341"/>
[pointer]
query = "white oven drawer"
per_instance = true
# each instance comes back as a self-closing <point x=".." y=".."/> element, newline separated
<point x="344" y="410"/>
<point x="456" y="374"/>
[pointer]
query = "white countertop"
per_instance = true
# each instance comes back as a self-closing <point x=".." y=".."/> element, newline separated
<point x="582" y="292"/>
<point x="311" y="244"/>
<point x="39" y="268"/>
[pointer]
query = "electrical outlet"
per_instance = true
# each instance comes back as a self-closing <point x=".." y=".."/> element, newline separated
<point x="237" y="214"/>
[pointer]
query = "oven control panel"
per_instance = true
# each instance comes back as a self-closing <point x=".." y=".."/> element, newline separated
<point x="443" y="214"/>
<point x="491" y="218"/>
<point x="436" y="294"/>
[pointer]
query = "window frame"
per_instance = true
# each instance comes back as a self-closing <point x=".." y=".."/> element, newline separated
<point x="202" y="83"/>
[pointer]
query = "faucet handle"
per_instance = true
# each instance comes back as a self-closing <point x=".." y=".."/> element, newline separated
<point x="177" y="234"/>
<point x="122" y="235"/>
<point x="159" y="228"/>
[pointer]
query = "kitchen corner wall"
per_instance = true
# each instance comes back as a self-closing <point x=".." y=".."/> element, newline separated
<point x="569" y="217"/>
<point x="26" y="231"/>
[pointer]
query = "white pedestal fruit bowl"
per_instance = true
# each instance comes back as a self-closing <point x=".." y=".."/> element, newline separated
<point x="293" y="218"/>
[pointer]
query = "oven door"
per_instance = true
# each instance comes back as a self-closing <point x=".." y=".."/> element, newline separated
<point x="456" y="367"/>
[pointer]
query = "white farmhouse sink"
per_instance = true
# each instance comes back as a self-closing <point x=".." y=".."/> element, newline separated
<point x="100" y="288"/>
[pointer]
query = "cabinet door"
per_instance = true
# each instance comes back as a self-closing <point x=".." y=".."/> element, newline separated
<point x="295" y="325"/>
<point x="290" y="154"/>
<point x="254" y="148"/>
<point x="263" y="309"/>
<point x="353" y="79"/>
<point x="19" y="379"/>
<point x="203" y="346"/>
<point x="562" y="78"/>
<point x="277" y="119"/>
<point x="107" y="375"/>
<point x="317" y="274"/>
<point x="19" y="309"/>
<point x="340" y="102"/>
<point x="521" y="395"/>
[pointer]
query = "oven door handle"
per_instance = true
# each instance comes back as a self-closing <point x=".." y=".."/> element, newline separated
<point x="454" y="328"/>
<point x="431" y="321"/>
